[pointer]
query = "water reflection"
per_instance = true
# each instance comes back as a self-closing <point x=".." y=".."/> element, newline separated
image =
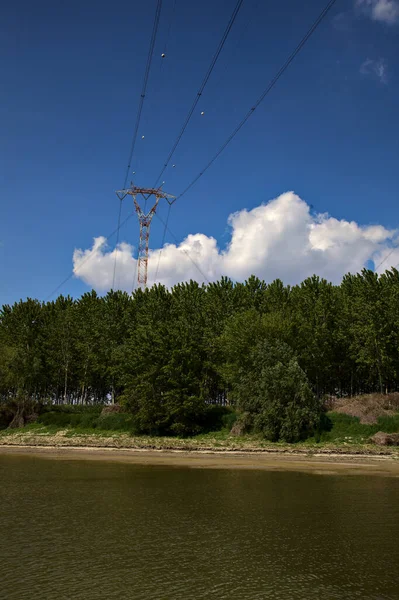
<point x="87" y="530"/>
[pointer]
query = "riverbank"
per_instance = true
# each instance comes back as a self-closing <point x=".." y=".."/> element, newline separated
<point x="321" y="464"/>
<point x="207" y="451"/>
<point x="215" y="442"/>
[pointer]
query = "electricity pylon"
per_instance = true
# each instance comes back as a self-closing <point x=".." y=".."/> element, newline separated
<point x="145" y="223"/>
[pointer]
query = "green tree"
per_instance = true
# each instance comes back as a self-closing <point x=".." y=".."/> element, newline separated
<point x="60" y="348"/>
<point x="370" y="328"/>
<point x="315" y="310"/>
<point x="276" y="393"/>
<point x="22" y="332"/>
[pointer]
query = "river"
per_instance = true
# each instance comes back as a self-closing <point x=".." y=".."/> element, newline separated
<point x="86" y="530"/>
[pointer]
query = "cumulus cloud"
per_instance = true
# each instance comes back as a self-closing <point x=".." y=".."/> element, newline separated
<point x="375" y="68"/>
<point x="280" y="239"/>
<point x="385" y="11"/>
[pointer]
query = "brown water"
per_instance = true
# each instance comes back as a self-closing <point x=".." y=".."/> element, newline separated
<point x="98" y="530"/>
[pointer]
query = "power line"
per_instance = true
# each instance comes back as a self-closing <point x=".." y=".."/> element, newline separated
<point x="185" y="251"/>
<point x="163" y="241"/>
<point x="134" y="282"/>
<point x="117" y="242"/>
<point x="88" y="257"/>
<point x="138" y="119"/>
<point x="384" y="259"/>
<point x="238" y="42"/>
<point x="169" y="29"/>
<point x="229" y="139"/>
<point x="263" y="95"/>
<point x="165" y="45"/>
<point x="202" y="87"/>
<point x="144" y="88"/>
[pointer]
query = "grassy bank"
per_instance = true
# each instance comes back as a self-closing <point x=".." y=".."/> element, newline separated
<point x="95" y="426"/>
<point x="345" y="435"/>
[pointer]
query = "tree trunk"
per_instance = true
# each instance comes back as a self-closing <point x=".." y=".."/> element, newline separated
<point x="65" y="384"/>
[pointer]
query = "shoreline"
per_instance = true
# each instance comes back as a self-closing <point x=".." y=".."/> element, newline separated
<point x="316" y="463"/>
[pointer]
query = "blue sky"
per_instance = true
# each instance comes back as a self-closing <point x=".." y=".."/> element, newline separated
<point x="329" y="131"/>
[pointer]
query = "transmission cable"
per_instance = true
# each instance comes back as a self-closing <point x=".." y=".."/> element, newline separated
<point x="202" y="87"/>
<point x="165" y="49"/>
<point x="262" y="97"/>
<point x="135" y="275"/>
<point x="183" y="250"/>
<point x="144" y="88"/>
<point x="117" y="241"/>
<point x="165" y="45"/>
<point x="243" y="32"/>
<point x="162" y="242"/>
<point x="138" y="118"/>
<point x="384" y="259"/>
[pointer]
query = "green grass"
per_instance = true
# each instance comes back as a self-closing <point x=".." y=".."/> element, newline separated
<point x="346" y="429"/>
<point x="216" y="418"/>
<point x="344" y="432"/>
<point x="33" y="428"/>
<point x="88" y="421"/>
<point x="41" y="435"/>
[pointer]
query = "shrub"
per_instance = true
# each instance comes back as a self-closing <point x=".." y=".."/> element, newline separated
<point x="117" y="422"/>
<point x="165" y="412"/>
<point x="6" y="414"/>
<point x="275" y="391"/>
<point x="217" y="417"/>
<point x="55" y="418"/>
<point x="73" y="408"/>
<point x="243" y="424"/>
<point x="89" y="420"/>
<point x="229" y="419"/>
<point x="18" y="411"/>
<point x="83" y="420"/>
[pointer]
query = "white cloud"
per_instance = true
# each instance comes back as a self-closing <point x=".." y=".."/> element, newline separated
<point x="389" y="257"/>
<point x="375" y="68"/>
<point x="385" y="11"/>
<point x="280" y="239"/>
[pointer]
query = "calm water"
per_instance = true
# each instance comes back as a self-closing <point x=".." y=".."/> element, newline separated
<point x="92" y="530"/>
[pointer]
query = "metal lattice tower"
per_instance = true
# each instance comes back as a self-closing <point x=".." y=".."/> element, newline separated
<point x="145" y="223"/>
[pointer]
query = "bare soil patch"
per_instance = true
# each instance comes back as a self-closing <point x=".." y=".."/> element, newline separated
<point x="368" y="407"/>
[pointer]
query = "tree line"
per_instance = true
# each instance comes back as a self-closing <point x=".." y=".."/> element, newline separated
<point x="168" y="354"/>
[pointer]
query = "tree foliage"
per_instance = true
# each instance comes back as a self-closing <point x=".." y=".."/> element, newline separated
<point x="170" y="354"/>
<point x="275" y="392"/>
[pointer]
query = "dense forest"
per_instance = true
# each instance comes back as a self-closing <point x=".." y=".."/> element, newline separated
<point x="273" y="351"/>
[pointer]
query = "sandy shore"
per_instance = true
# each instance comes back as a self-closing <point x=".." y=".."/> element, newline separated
<point x="319" y="464"/>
